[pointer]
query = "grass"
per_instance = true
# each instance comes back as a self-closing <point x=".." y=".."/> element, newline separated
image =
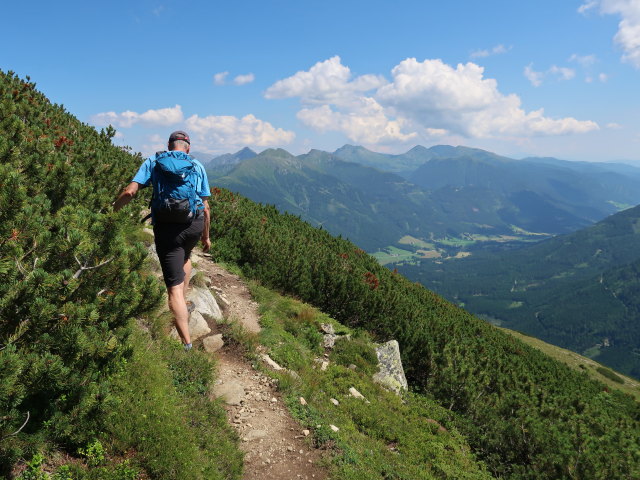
<point x="407" y="438"/>
<point x="584" y="364"/>
<point x="393" y="254"/>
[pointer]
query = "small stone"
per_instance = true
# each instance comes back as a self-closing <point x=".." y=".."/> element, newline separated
<point x="213" y="343"/>
<point x="274" y="399"/>
<point x="290" y="448"/>
<point x="271" y="363"/>
<point x="355" y="393"/>
<point x="301" y="452"/>
<point x="327" y="328"/>
<point x="334" y="428"/>
<point x="352" y="366"/>
<point x="302" y="401"/>
<point x="306" y="432"/>
<point x="324" y="366"/>
<point x="334" y="401"/>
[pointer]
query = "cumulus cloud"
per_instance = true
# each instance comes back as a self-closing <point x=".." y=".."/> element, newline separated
<point x="216" y="133"/>
<point x="220" y="78"/>
<point x="423" y="101"/>
<point x="628" y="34"/>
<point x="462" y="101"/>
<point x="325" y="82"/>
<point x="161" y="117"/>
<point x="244" y="79"/>
<point x="497" y="50"/>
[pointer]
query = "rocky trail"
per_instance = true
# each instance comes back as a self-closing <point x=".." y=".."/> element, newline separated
<point x="276" y="447"/>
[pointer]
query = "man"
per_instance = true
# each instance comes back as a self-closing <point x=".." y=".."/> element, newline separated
<point x="174" y="241"/>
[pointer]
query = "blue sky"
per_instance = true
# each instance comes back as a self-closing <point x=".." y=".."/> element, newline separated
<point x="527" y="77"/>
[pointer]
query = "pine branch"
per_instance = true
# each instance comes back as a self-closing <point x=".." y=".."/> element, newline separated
<point x="19" y="430"/>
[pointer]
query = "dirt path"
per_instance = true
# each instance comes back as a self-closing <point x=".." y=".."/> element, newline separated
<point x="275" y="446"/>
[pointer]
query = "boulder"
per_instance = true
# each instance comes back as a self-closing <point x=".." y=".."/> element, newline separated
<point x="390" y="374"/>
<point x="205" y="303"/>
<point x="198" y="327"/>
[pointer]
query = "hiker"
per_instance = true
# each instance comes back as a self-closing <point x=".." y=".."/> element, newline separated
<point x="180" y="217"/>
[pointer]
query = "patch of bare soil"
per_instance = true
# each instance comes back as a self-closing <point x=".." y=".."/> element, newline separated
<point x="275" y="445"/>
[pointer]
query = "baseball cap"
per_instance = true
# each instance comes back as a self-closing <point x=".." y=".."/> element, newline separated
<point x="179" y="135"/>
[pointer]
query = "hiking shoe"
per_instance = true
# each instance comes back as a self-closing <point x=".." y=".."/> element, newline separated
<point x="190" y="306"/>
<point x="187" y="347"/>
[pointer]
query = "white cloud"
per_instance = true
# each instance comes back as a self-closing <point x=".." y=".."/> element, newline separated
<point x="563" y="73"/>
<point x="368" y="125"/>
<point x="244" y="79"/>
<point x="628" y="35"/>
<point x="497" y="50"/>
<point x="460" y="100"/>
<point x="534" y="77"/>
<point x="220" y="78"/>
<point x="220" y="133"/>
<point x="603" y="77"/>
<point x="584" y="60"/>
<point x="325" y="82"/>
<point x="424" y="100"/>
<point x="161" y="117"/>
<point x="614" y="126"/>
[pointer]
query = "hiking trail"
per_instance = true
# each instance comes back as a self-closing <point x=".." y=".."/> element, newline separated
<point x="275" y="445"/>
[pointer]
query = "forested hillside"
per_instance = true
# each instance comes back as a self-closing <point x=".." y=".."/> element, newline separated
<point x="526" y="415"/>
<point x="577" y="291"/>
<point x="78" y="381"/>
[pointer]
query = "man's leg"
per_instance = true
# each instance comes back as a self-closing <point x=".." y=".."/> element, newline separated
<point x="178" y="307"/>
<point x="187" y="276"/>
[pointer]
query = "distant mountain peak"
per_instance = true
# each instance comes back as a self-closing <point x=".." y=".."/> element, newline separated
<point x="245" y="153"/>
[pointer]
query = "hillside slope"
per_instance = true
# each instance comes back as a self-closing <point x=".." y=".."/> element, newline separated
<point x="578" y="291"/>
<point x="524" y="414"/>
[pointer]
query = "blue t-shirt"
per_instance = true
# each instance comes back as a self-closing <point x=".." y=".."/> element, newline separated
<point x="143" y="177"/>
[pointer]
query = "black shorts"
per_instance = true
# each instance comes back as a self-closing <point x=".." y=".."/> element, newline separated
<point x="174" y="242"/>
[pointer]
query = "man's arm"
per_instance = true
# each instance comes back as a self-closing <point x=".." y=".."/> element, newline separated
<point x="127" y="194"/>
<point x="206" y="241"/>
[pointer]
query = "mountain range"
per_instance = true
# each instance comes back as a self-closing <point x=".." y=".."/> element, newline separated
<point x="445" y="197"/>
<point x="467" y="223"/>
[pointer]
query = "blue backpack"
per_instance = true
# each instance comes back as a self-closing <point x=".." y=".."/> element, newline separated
<point x="174" y="199"/>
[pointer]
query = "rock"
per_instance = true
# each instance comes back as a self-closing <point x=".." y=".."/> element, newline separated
<point x="334" y="428"/>
<point x="355" y="393"/>
<point x="271" y="363"/>
<point x="329" y="340"/>
<point x="213" y="343"/>
<point x="390" y="374"/>
<point x="306" y="433"/>
<point x="302" y="401"/>
<point x="231" y="392"/>
<point x="197" y="327"/>
<point x="205" y="303"/>
<point x="254" y="435"/>
<point x="274" y="400"/>
<point x="327" y="328"/>
<point x="352" y="366"/>
<point x="324" y="366"/>
<point x="334" y="401"/>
